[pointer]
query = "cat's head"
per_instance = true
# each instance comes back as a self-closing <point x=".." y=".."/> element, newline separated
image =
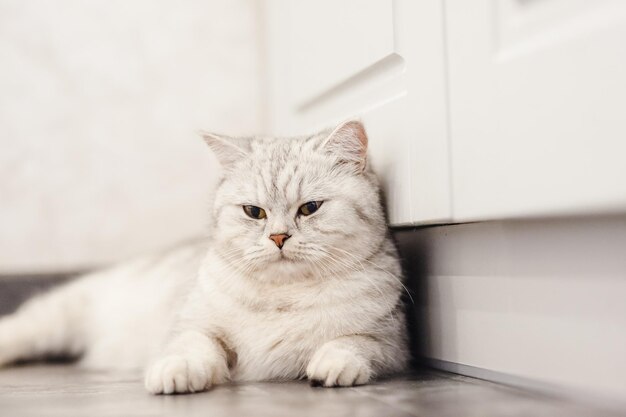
<point x="296" y="206"/>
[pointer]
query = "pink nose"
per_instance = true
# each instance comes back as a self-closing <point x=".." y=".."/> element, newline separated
<point x="279" y="239"/>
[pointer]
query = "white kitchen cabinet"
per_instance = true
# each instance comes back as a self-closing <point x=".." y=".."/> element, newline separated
<point x="537" y="107"/>
<point x="382" y="61"/>
<point x="476" y="110"/>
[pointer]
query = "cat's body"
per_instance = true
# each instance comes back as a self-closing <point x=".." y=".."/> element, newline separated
<point x="304" y="281"/>
<point x="117" y="318"/>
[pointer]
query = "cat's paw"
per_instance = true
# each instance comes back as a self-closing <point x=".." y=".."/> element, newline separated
<point x="334" y="366"/>
<point x="178" y="374"/>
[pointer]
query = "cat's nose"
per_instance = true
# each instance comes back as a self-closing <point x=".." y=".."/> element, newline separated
<point x="279" y="239"/>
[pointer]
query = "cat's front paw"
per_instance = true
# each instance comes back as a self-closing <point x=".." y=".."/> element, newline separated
<point x="178" y="374"/>
<point x="334" y="366"/>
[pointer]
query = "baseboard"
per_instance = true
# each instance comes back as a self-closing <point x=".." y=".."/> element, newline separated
<point x="608" y="403"/>
<point x="540" y="301"/>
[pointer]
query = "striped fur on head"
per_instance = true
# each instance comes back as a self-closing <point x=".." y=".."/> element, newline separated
<point x="280" y="175"/>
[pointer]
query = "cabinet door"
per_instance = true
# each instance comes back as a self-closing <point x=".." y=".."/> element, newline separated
<point x="538" y="106"/>
<point x="379" y="60"/>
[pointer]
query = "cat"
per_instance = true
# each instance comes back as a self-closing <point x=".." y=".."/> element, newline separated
<point x="299" y="279"/>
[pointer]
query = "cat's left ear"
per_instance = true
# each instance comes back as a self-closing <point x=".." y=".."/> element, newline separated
<point x="349" y="143"/>
<point x="228" y="150"/>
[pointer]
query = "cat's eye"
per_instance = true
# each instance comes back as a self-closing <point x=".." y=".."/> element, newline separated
<point x="254" y="212"/>
<point x="309" y="208"/>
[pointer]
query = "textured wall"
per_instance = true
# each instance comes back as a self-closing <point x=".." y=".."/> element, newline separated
<point x="99" y="106"/>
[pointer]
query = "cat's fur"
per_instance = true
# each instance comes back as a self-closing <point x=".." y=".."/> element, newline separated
<point x="327" y="306"/>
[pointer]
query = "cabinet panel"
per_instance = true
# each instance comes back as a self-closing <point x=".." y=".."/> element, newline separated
<point x="538" y="107"/>
<point x="331" y="41"/>
<point x="380" y="60"/>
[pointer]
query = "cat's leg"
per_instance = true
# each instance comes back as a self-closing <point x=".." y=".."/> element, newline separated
<point x="47" y="325"/>
<point x="192" y="362"/>
<point x="351" y="360"/>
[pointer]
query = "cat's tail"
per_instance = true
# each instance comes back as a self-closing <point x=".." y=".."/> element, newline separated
<point x="49" y="325"/>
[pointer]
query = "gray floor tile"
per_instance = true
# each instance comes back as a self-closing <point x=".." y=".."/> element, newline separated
<point x="64" y="390"/>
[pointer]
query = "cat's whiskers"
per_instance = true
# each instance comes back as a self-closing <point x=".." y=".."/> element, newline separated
<point x="339" y="261"/>
<point x="315" y="271"/>
<point x="233" y="259"/>
<point x="369" y="281"/>
<point x="381" y="269"/>
<point x="243" y="266"/>
<point x="229" y="253"/>
<point x="362" y="276"/>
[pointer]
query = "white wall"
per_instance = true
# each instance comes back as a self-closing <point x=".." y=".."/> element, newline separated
<point x="99" y="105"/>
<point x="533" y="300"/>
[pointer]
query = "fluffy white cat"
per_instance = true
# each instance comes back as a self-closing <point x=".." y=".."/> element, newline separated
<point x="299" y="279"/>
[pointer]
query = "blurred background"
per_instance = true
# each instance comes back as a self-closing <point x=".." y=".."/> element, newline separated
<point x="100" y="104"/>
<point x="498" y="129"/>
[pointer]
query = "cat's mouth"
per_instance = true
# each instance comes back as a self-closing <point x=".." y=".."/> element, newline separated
<point x="284" y="258"/>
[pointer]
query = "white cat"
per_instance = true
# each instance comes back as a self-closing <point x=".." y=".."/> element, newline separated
<point x="299" y="280"/>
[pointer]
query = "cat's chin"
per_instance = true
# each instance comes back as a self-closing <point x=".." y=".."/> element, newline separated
<point x="284" y="264"/>
<point x="284" y="257"/>
<point x="284" y="271"/>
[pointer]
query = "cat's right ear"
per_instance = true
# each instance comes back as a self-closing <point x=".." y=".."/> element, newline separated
<point x="227" y="150"/>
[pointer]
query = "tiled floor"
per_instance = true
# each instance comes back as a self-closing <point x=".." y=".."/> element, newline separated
<point x="63" y="390"/>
